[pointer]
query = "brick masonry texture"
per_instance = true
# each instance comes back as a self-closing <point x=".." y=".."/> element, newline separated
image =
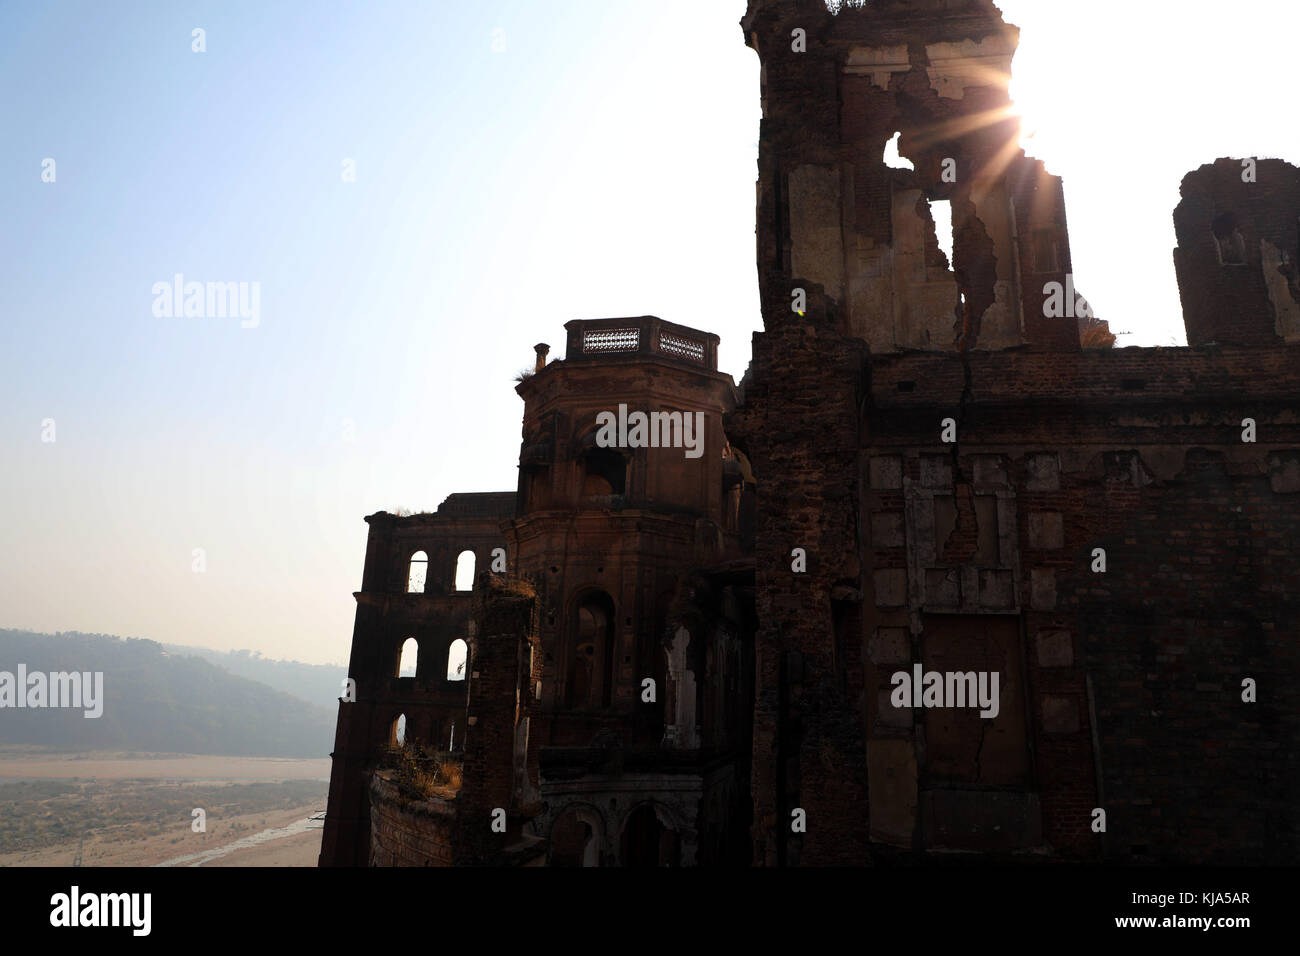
<point x="1059" y="452"/>
<point x="405" y="833"/>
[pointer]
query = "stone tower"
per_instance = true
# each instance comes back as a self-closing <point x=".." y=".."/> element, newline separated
<point x="629" y="495"/>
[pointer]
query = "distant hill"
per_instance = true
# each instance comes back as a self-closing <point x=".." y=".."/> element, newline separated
<point x="319" y="684"/>
<point x="158" y="701"/>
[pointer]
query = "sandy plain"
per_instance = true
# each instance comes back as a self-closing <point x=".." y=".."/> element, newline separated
<point x="284" y="836"/>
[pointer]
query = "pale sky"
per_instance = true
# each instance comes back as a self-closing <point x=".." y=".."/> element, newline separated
<point x="600" y="162"/>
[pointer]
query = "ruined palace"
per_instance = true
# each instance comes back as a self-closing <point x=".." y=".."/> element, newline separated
<point x="703" y="627"/>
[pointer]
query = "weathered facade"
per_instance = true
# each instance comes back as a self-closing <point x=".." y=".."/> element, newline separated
<point x="922" y="471"/>
<point x="609" y="690"/>
<point x="407" y="593"/>
<point x="956" y="489"/>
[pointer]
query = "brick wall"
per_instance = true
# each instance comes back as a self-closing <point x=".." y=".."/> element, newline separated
<point x="406" y="833"/>
<point x="504" y="620"/>
<point x="801" y="439"/>
<point x="1226" y="298"/>
<point x="1138" y="452"/>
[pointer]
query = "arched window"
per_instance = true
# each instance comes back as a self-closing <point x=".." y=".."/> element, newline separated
<point x="415" y="577"/>
<point x="465" y="571"/>
<point x="604" y="474"/>
<point x="406" y="666"/>
<point x="1232" y="245"/>
<point x="399" y="729"/>
<point x="456" y="660"/>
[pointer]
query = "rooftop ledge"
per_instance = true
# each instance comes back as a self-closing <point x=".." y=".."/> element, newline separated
<point x="595" y="340"/>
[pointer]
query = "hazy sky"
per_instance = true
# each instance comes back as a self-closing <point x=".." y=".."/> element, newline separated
<point x="517" y="164"/>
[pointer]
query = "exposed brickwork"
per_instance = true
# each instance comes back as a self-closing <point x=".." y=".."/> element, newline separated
<point x="801" y="438"/>
<point x="1132" y="378"/>
<point x="1058" y="452"/>
<point x="504" y="621"/>
<point x="831" y="214"/>
<point x="1200" y="589"/>
<point x="407" y="833"/>
<point x="1238" y="229"/>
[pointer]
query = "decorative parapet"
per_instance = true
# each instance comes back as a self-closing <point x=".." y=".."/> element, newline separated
<point x="646" y="336"/>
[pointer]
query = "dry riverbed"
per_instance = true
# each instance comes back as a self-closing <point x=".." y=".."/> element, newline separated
<point x="136" y="809"/>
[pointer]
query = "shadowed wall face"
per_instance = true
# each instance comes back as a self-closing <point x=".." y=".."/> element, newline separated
<point x="1238" y="254"/>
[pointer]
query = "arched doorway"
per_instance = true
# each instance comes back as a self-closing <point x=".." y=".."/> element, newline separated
<point x="647" y="841"/>
<point x="574" y="841"/>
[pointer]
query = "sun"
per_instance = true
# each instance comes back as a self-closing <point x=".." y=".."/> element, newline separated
<point x="1029" y="108"/>
<point x="1028" y="127"/>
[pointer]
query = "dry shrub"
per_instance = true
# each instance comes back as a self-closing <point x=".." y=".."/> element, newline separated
<point x="420" y="773"/>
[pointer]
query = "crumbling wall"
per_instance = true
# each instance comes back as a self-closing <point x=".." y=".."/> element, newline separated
<point x="386" y="616"/>
<point x="848" y="258"/>
<point x="493" y="790"/>
<point x="1238" y="254"/>
<point x="833" y="216"/>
